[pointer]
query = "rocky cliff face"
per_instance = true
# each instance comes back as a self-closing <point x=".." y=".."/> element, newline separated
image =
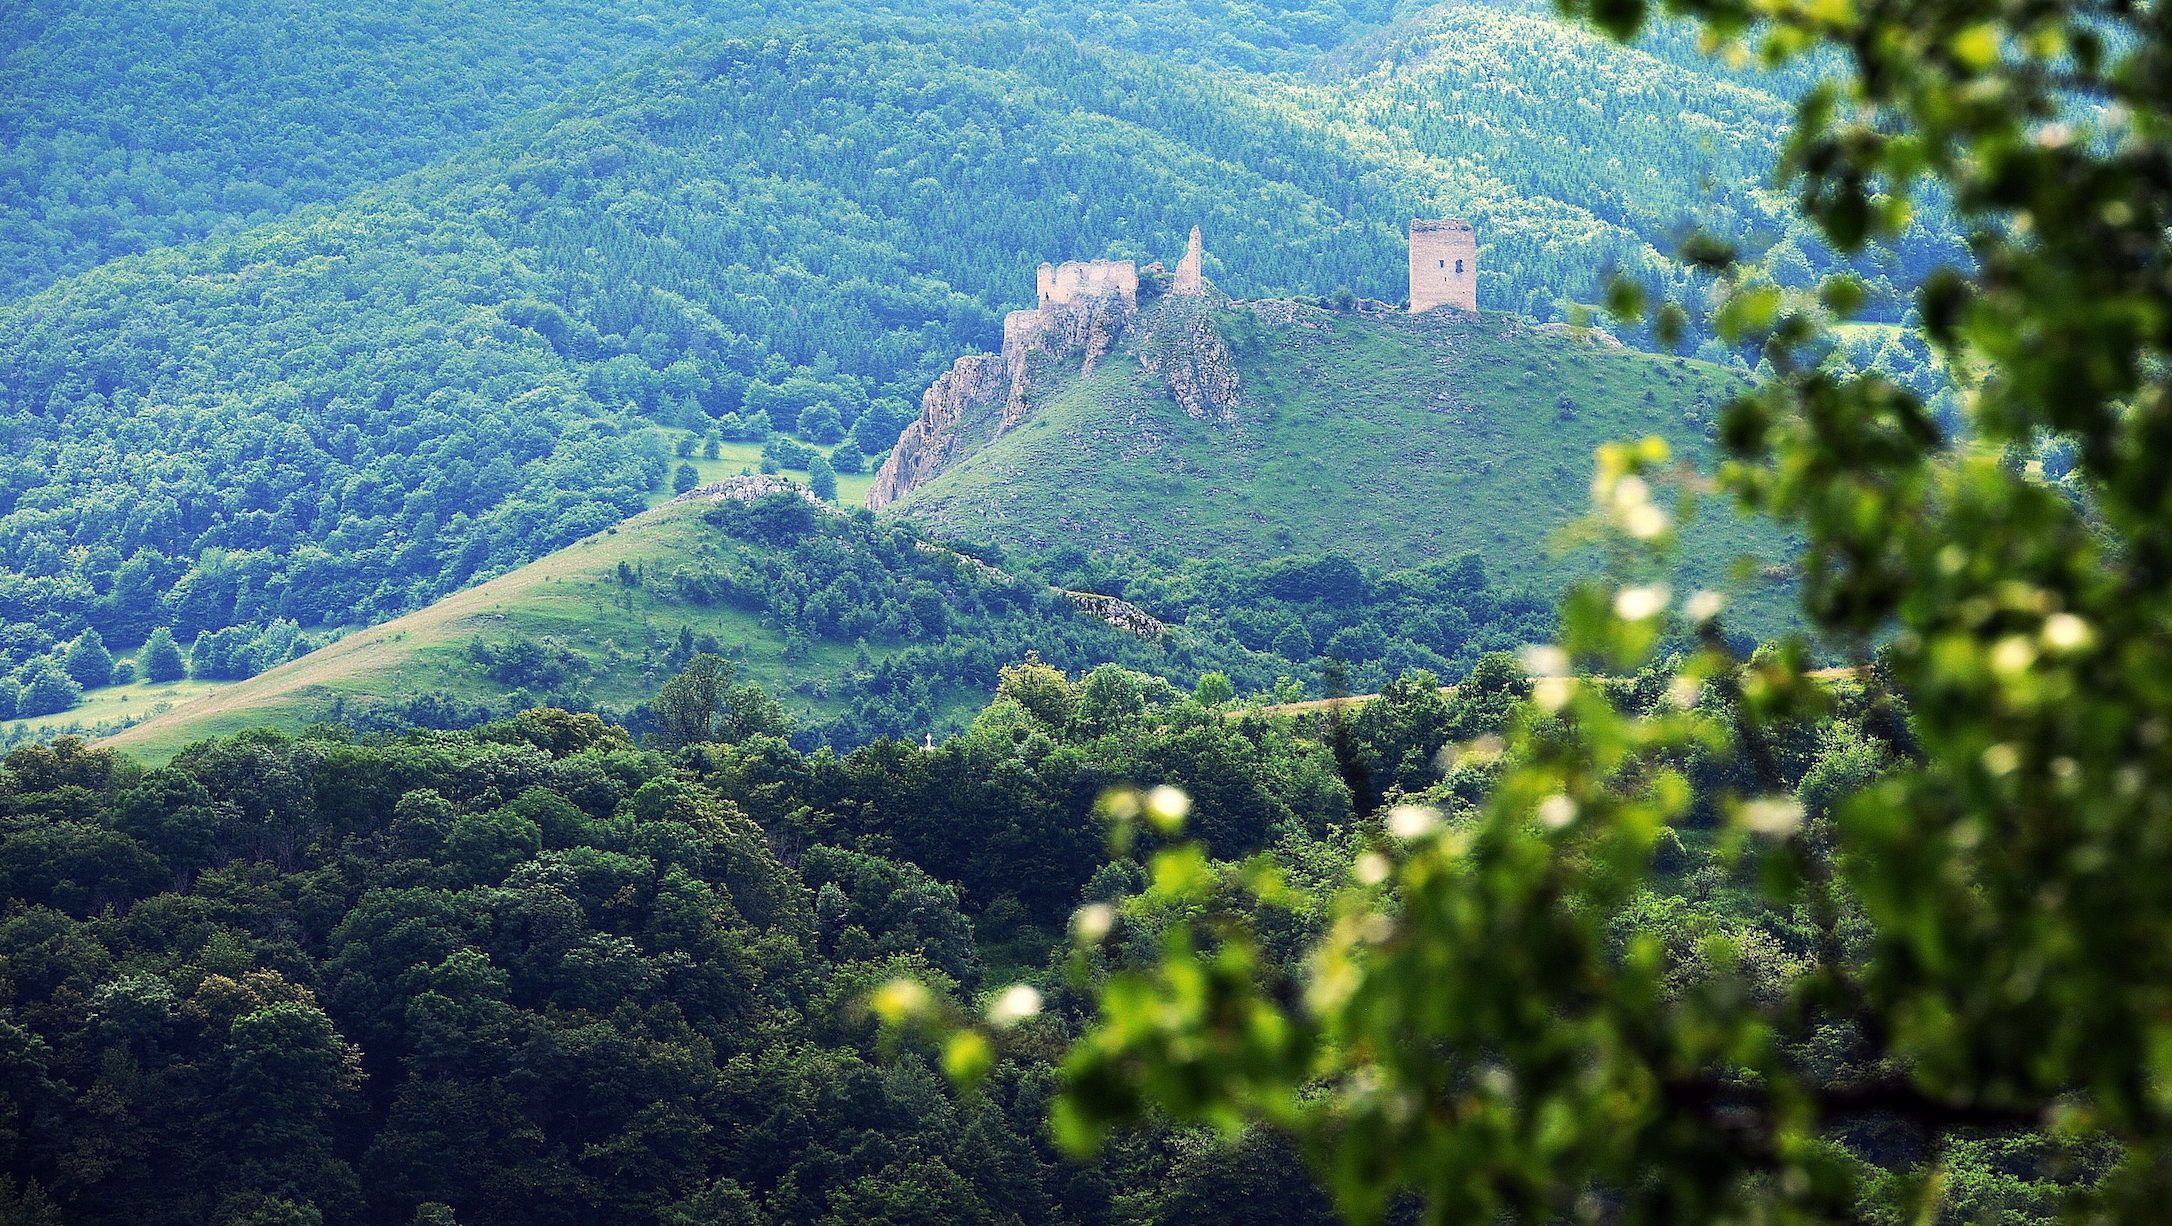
<point x="981" y="395"/>
<point x="1077" y="333"/>
<point x="970" y="390"/>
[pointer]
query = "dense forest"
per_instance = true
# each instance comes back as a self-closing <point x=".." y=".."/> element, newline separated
<point x="535" y="972"/>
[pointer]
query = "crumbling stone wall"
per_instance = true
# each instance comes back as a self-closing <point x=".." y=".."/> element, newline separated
<point x="1079" y="280"/>
<point x="1086" y="308"/>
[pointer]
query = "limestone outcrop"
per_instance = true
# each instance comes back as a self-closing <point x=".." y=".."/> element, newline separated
<point x="1073" y="330"/>
<point x="751" y="487"/>
<point x="1121" y="614"/>
<point x="1179" y="345"/>
<point x="1085" y="311"/>
<point x="973" y="388"/>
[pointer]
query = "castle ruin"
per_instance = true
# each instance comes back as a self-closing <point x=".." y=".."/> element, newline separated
<point x="1086" y="308"/>
<point x="1076" y="281"/>
<point x="1443" y="266"/>
<point x="1190" y="277"/>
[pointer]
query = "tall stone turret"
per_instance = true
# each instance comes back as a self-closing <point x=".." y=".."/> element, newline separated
<point x="1189" y="278"/>
<point x="1443" y="266"/>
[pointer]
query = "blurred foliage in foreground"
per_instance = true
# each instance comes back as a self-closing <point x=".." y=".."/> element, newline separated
<point x="1984" y="885"/>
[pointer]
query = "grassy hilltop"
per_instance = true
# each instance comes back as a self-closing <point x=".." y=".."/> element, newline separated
<point x="602" y="623"/>
<point x="1389" y="439"/>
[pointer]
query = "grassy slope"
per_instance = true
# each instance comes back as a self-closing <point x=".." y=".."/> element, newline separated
<point x="1390" y="439"/>
<point x="573" y="595"/>
<point x="111" y="707"/>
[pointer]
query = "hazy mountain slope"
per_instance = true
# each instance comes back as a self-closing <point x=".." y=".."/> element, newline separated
<point x="1651" y="138"/>
<point x="125" y="127"/>
<point x="131" y="126"/>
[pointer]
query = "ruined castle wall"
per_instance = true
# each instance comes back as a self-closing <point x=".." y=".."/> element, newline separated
<point x="1443" y="266"/>
<point x="1079" y="280"/>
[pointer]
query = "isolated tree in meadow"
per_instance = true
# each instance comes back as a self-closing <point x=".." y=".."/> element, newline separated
<point x="784" y="451"/>
<point x="88" y="661"/>
<point x="822" y="479"/>
<point x="684" y="478"/>
<point x="1987" y="939"/>
<point x="161" y="657"/>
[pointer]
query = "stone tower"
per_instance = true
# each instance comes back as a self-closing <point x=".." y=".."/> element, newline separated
<point x="1443" y="266"/>
<point x="1189" y="278"/>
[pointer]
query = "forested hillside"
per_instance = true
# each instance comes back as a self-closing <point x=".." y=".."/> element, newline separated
<point x="334" y="418"/>
<point x="571" y="654"/>
<point x="135" y="126"/>
<point x="535" y="974"/>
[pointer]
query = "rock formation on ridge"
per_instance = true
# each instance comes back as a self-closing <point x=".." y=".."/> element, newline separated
<point x="1085" y="311"/>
